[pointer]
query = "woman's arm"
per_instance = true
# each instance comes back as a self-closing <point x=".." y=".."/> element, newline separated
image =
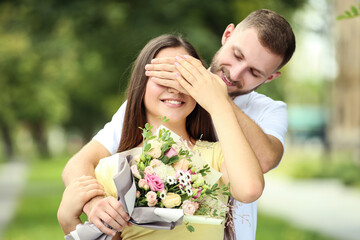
<point x="241" y="167"/>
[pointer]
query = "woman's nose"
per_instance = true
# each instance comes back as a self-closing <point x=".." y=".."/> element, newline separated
<point x="173" y="90"/>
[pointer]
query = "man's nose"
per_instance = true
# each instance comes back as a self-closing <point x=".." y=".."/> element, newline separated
<point x="173" y="90"/>
<point x="237" y="71"/>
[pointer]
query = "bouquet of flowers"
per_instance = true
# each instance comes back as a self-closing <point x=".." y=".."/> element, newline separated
<point x="160" y="185"/>
<point x="168" y="174"/>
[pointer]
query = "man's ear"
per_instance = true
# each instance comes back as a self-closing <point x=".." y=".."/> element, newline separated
<point x="272" y="77"/>
<point x="227" y="33"/>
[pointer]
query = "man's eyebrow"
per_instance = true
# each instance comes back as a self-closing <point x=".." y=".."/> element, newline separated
<point x="243" y="56"/>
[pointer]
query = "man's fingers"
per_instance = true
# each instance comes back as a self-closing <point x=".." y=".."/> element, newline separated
<point x="168" y="60"/>
<point x="187" y="68"/>
<point x="95" y="192"/>
<point x="185" y="84"/>
<point x="161" y="74"/>
<point x="169" y="83"/>
<point x="160" y="67"/>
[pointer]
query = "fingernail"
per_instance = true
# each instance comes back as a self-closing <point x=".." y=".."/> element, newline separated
<point x="147" y="73"/>
<point x="177" y="64"/>
<point x="177" y="58"/>
<point x="177" y="75"/>
<point x="147" y="66"/>
<point x="187" y="56"/>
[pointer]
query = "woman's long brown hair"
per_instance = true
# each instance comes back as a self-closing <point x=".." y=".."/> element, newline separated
<point x="198" y="123"/>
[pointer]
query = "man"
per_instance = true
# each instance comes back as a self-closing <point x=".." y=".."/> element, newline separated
<point x="251" y="54"/>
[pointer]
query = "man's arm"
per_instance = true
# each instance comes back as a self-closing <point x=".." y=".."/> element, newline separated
<point x="268" y="149"/>
<point x="84" y="161"/>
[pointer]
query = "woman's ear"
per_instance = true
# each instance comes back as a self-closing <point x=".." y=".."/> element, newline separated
<point x="227" y="33"/>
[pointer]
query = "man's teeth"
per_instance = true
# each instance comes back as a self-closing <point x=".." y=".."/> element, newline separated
<point x="173" y="101"/>
<point x="227" y="79"/>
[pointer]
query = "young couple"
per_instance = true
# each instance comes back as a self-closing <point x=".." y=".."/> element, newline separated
<point x="250" y="127"/>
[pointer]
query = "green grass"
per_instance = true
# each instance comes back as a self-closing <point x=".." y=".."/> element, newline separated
<point x="36" y="214"/>
<point x="270" y="228"/>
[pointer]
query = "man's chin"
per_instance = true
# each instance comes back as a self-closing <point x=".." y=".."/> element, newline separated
<point x="236" y="93"/>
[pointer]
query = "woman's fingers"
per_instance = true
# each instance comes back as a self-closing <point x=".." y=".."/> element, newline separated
<point x="120" y="216"/>
<point x="101" y="226"/>
<point x="111" y="212"/>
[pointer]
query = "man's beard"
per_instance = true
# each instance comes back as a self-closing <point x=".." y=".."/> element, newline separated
<point x="215" y="68"/>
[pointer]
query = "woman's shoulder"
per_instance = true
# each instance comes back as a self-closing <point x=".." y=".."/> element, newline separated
<point x="200" y="144"/>
<point x="209" y="147"/>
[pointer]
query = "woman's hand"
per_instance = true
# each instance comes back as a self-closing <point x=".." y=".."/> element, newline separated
<point x="205" y="87"/>
<point x="76" y="194"/>
<point x="111" y="212"/>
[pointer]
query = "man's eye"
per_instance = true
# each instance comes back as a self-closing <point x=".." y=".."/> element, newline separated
<point x="237" y="56"/>
<point x="254" y="74"/>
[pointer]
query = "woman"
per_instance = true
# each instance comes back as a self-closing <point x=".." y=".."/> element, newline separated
<point x="232" y="155"/>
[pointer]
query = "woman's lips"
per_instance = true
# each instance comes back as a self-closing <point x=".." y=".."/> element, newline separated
<point x="172" y="102"/>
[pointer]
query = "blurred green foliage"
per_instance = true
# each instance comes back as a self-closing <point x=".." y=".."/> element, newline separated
<point x="67" y="62"/>
<point x="354" y="11"/>
<point x="339" y="165"/>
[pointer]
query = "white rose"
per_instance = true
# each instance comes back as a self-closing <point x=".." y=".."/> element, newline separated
<point x="155" y="150"/>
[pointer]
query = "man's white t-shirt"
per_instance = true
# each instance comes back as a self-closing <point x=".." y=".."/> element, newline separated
<point x="270" y="115"/>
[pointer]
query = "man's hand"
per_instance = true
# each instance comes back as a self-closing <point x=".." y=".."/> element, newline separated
<point x="76" y="194"/>
<point x="110" y="211"/>
<point x="206" y="88"/>
<point x="163" y="72"/>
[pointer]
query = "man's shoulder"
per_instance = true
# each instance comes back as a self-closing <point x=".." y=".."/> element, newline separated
<point x="257" y="100"/>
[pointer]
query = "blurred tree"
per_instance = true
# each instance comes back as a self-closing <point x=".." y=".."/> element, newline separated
<point x="68" y="62"/>
<point x="344" y="129"/>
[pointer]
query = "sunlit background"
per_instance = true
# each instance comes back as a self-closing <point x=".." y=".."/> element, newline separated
<point x="64" y="71"/>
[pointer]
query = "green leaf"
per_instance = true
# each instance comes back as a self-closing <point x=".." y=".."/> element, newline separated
<point x="190" y="228"/>
<point x="354" y="10"/>
<point x="173" y="159"/>
<point x="165" y="147"/>
<point x="164" y="159"/>
<point x="341" y="17"/>
<point x="147" y="147"/>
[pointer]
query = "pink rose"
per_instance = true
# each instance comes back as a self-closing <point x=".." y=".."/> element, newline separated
<point x="142" y="184"/>
<point x="151" y="198"/>
<point x="135" y="171"/>
<point x="154" y="182"/>
<point x="189" y="207"/>
<point x="171" y="152"/>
